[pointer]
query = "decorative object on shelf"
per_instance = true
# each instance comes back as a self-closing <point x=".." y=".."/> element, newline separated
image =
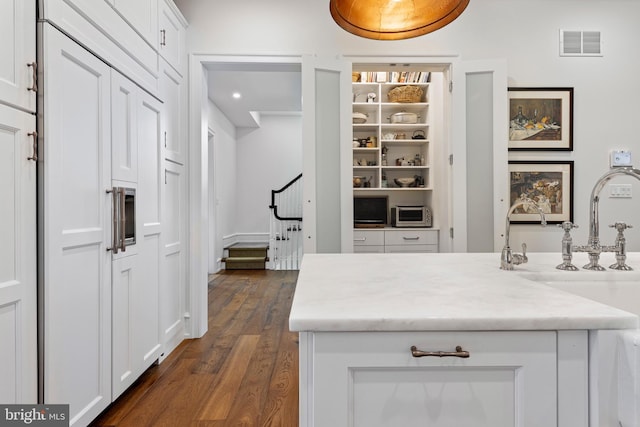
<point x="355" y="77"/>
<point x="371" y="97"/>
<point x="358" y="181"/>
<point x="540" y="119"/>
<point x="400" y="135"/>
<point x="419" y="134"/>
<point x="548" y="183"/>
<point x="405" y="182"/>
<point x="405" y="94"/>
<point x="359" y="118"/>
<point x="394" y="19"/>
<point x="404" y="117"/>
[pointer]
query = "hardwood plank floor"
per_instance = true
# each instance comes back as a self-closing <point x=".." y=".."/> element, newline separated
<point x="242" y="372"/>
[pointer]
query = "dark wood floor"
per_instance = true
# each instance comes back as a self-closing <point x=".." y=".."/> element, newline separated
<point x="243" y="372"/>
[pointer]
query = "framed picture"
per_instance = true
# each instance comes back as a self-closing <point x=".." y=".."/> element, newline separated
<point x="548" y="183"/>
<point x="540" y="119"/>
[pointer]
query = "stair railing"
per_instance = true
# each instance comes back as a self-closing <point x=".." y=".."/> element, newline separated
<point x="285" y="230"/>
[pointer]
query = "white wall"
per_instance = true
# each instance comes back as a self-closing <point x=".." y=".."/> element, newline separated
<point x="224" y="176"/>
<point x="268" y="158"/>
<point x="525" y="32"/>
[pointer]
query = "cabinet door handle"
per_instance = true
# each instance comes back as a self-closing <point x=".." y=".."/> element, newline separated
<point x="34" y="156"/>
<point x="359" y="239"/>
<point x="458" y="353"/>
<point x="114" y="218"/>
<point x="34" y="70"/>
<point x="123" y="222"/>
<point x="163" y="37"/>
<point x="410" y="238"/>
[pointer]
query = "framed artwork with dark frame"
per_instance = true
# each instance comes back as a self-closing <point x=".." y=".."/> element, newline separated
<point x="540" y="119"/>
<point x="548" y="183"/>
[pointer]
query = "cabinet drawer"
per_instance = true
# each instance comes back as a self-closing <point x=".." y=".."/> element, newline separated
<point x="373" y="379"/>
<point x="368" y="238"/>
<point x="410" y="248"/>
<point x="411" y="237"/>
<point x="372" y="249"/>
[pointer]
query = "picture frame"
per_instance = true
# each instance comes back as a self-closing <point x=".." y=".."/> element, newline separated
<point x="548" y="183"/>
<point x="540" y="119"/>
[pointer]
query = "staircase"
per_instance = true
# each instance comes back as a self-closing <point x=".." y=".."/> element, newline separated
<point x="285" y="230"/>
<point x="246" y="256"/>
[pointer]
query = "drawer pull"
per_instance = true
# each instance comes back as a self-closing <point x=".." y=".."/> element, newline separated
<point x="458" y="353"/>
<point x="410" y="238"/>
<point x="359" y="239"/>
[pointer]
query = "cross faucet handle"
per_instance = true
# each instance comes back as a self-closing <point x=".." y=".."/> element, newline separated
<point x="567" y="226"/>
<point x="620" y="226"/>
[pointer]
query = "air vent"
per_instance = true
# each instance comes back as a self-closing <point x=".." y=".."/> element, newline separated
<point x="580" y="43"/>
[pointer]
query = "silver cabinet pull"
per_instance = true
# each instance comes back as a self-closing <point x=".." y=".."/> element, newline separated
<point x="34" y="69"/>
<point x="411" y="238"/>
<point x="163" y="37"/>
<point x="458" y="353"/>
<point x="34" y="156"/>
<point x="123" y="221"/>
<point x="114" y="215"/>
<point x="359" y="239"/>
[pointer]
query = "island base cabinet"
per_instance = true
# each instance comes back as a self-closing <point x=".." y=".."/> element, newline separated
<point x="372" y="379"/>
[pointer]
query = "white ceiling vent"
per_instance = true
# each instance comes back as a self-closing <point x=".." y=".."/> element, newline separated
<point x="580" y="43"/>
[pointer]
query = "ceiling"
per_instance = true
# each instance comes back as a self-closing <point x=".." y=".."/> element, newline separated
<point x="265" y="88"/>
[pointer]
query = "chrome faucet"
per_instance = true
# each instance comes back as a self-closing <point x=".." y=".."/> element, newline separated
<point x="508" y="259"/>
<point x="593" y="246"/>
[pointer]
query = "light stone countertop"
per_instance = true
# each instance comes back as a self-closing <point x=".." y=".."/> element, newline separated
<point x="448" y="292"/>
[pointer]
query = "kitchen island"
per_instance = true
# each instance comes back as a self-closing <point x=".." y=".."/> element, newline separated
<point x="384" y="341"/>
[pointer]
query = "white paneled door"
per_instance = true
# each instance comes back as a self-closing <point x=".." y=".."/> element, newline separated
<point x="18" y="54"/>
<point x="76" y="226"/>
<point x="18" y="352"/>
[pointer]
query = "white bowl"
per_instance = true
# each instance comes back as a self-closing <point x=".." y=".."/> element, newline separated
<point x="405" y="182"/>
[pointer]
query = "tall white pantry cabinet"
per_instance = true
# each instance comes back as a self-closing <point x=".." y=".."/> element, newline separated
<point x="18" y="298"/>
<point x="103" y="317"/>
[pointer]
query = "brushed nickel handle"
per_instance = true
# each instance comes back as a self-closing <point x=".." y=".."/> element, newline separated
<point x="163" y="37"/>
<point x="123" y="221"/>
<point x="34" y="69"/>
<point x="411" y="238"/>
<point x="359" y="239"/>
<point x="458" y="353"/>
<point x="34" y="156"/>
<point x="114" y="215"/>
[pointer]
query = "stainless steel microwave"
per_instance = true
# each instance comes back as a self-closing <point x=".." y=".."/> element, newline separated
<point x="124" y="218"/>
<point x="411" y="216"/>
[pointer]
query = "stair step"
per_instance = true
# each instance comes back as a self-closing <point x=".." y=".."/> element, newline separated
<point x="244" y="263"/>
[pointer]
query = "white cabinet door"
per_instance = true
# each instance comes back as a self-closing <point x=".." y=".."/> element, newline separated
<point x="75" y="211"/>
<point x="18" y="48"/>
<point x="172" y="33"/>
<point x="18" y="329"/>
<point x="141" y="15"/>
<point x="173" y="115"/>
<point x="172" y="282"/>
<point x="125" y="289"/>
<point x="373" y="380"/>
<point x="124" y="138"/>
<point x="149" y="230"/>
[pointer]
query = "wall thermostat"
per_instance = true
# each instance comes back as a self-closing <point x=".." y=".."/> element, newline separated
<point x="621" y="158"/>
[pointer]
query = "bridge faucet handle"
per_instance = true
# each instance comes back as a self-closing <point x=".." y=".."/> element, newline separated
<point x="567" y="226"/>
<point x="620" y="226"/>
<point x="524" y="250"/>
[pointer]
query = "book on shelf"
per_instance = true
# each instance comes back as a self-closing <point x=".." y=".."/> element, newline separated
<point x="394" y="77"/>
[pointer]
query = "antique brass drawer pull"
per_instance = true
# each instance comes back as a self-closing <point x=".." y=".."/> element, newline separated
<point x="458" y="353"/>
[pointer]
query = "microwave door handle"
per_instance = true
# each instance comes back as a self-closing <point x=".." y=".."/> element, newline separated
<point x="123" y="221"/>
<point x="114" y="220"/>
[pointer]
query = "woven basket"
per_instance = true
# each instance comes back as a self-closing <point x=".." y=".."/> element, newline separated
<point x="405" y="94"/>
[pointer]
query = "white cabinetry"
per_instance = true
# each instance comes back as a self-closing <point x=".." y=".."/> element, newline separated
<point x="18" y="353"/>
<point x="18" y="53"/>
<point x="18" y="265"/>
<point x="141" y="15"/>
<point x="395" y="240"/>
<point x="172" y="27"/>
<point x="124" y="149"/>
<point x="75" y="227"/>
<point x="372" y="379"/>
<point x="171" y="92"/>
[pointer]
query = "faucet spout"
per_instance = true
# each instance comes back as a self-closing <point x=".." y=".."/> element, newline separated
<point x="509" y="259"/>
<point x="593" y="247"/>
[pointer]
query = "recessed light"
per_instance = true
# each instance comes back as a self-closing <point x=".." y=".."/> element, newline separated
<point x="237" y="95"/>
